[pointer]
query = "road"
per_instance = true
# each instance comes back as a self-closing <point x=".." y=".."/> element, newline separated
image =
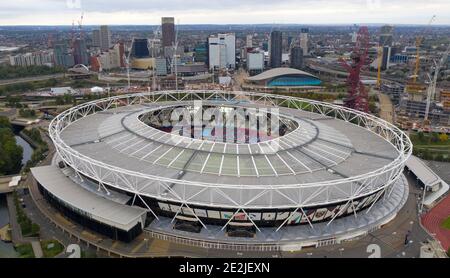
<point x="386" y="108"/>
<point x="31" y="79"/>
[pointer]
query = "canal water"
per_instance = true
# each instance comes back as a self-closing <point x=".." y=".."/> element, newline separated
<point x="27" y="149"/>
<point x="7" y="249"/>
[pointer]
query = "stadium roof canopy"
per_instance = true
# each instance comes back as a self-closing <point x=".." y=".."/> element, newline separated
<point x="278" y="72"/>
<point x="98" y="208"/>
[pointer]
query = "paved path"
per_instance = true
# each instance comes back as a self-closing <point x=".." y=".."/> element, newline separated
<point x="37" y="249"/>
<point x="386" y="107"/>
<point x="30" y="79"/>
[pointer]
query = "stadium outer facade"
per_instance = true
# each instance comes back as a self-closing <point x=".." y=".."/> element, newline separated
<point x="338" y="171"/>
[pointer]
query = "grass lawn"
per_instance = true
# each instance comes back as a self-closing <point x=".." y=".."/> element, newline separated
<point x="88" y="255"/>
<point x="25" y="250"/>
<point x="446" y="223"/>
<point x="53" y="251"/>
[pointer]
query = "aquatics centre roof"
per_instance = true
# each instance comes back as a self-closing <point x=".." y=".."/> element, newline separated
<point x="278" y="72"/>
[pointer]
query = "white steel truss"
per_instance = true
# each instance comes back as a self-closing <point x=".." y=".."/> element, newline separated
<point x="175" y="190"/>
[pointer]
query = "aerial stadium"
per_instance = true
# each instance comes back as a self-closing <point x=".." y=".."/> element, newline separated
<point x="225" y="168"/>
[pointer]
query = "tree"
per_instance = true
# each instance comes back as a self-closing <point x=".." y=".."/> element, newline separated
<point x="420" y="136"/>
<point x="4" y="122"/>
<point x="10" y="153"/>
<point x="443" y="137"/>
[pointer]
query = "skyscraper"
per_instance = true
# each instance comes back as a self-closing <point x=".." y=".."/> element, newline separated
<point x="139" y="48"/>
<point x="276" y="44"/>
<point x="96" y="38"/>
<point x="304" y="40"/>
<point x="201" y="52"/>
<point x="386" y="58"/>
<point x="249" y="41"/>
<point x="387" y="35"/>
<point x="62" y="57"/>
<point x="168" y="31"/>
<point x="296" y="57"/>
<point x="80" y="53"/>
<point x="105" y="38"/>
<point x="222" y="51"/>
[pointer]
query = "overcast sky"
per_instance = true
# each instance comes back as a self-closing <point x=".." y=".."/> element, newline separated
<point x="63" y="12"/>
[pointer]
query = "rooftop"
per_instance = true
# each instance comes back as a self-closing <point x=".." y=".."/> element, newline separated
<point x="272" y="73"/>
<point x="117" y="215"/>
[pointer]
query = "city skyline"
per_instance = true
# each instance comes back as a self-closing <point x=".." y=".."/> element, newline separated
<point x="138" y="12"/>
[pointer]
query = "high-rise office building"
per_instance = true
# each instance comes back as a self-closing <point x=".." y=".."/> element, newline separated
<point x="168" y="31"/>
<point x="62" y="57"/>
<point x="201" y="53"/>
<point x="80" y="53"/>
<point x="96" y="38"/>
<point x="139" y="48"/>
<point x="105" y="38"/>
<point x="296" y="57"/>
<point x="276" y="44"/>
<point x="304" y="33"/>
<point x="385" y="62"/>
<point x="387" y="35"/>
<point x="255" y="62"/>
<point x="249" y="41"/>
<point x="222" y="51"/>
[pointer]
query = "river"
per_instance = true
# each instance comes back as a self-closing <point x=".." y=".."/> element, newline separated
<point x="27" y="149"/>
<point x="7" y="249"/>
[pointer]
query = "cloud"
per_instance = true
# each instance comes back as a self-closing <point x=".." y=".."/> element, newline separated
<point x="55" y="12"/>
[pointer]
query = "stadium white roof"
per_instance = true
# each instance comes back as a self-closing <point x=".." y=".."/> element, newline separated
<point x="422" y="171"/>
<point x="105" y="211"/>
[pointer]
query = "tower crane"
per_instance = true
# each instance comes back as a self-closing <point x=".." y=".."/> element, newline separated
<point x="419" y="41"/>
<point x="127" y="62"/>
<point x="152" y="46"/>
<point x="80" y="25"/>
<point x="175" y="56"/>
<point x="433" y="81"/>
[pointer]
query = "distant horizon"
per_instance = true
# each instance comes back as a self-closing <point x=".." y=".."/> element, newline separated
<point x="220" y="12"/>
<point x="235" y="24"/>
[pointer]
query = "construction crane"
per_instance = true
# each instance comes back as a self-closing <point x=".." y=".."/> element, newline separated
<point x="419" y="41"/>
<point x="152" y="46"/>
<point x="175" y="56"/>
<point x="127" y="62"/>
<point x="72" y="34"/>
<point x="380" y="61"/>
<point x="80" y="25"/>
<point x="433" y="82"/>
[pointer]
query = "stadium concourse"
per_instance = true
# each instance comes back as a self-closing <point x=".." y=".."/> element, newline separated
<point x="329" y="174"/>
